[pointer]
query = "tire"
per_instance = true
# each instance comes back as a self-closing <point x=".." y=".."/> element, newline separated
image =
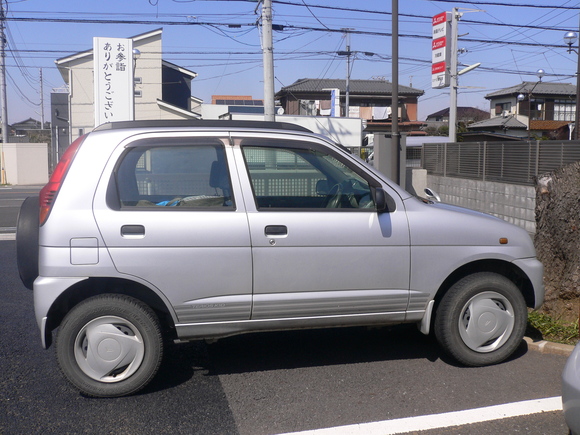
<point x="27" y="227"/>
<point x="109" y="346"/>
<point x="481" y="320"/>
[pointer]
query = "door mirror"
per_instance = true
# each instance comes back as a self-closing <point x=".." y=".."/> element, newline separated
<point x="383" y="201"/>
<point x="432" y="195"/>
<point x="322" y="187"/>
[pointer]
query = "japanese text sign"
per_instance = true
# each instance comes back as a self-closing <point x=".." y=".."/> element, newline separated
<point x="113" y="78"/>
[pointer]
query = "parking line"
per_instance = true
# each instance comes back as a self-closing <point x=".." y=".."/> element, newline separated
<point x="447" y="419"/>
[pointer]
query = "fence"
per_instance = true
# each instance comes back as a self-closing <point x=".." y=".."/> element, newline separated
<point x="413" y="154"/>
<point x="506" y="162"/>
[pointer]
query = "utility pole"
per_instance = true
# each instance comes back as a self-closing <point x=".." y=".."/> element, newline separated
<point x="268" y="60"/>
<point x="3" y="110"/>
<point x="347" y="101"/>
<point x="455" y="15"/>
<point x="41" y="102"/>
<point x="395" y="137"/>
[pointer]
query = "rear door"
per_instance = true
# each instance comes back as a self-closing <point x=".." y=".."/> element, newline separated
<point x="174" y="219"/>
<point x="319" y="247"/>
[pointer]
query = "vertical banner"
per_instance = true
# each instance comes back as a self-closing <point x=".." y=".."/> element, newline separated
<point x="441" y="50"/>
<point x="113" y="73"/>
<point x="335" y="102"/>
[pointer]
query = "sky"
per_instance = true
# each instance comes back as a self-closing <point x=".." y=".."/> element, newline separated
<point x="221" y="43"/>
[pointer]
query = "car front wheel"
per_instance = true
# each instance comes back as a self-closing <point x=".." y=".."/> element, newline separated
<point x="481" y="320"/>
<point x="109" y="345"/>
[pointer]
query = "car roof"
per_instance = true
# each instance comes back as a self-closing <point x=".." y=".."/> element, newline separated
<point x="199" y="123"/>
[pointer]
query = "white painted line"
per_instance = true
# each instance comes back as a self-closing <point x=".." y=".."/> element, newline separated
<point x="448" y="419"/>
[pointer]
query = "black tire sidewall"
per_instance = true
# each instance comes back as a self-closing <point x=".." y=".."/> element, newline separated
<point x="450" y="309"/>
<point x="125" y="307"/>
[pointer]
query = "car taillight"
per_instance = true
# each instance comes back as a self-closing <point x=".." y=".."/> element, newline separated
<point x="49" y="192"/>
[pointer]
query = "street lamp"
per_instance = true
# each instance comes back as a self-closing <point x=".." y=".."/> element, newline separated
<point x="570" y="39"/>
<point x="521" y="97"/>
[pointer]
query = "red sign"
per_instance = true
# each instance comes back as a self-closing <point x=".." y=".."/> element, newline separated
<point x="439" y="43"/>
<point x="440" y="18"/>
<point x="440" y="50"/>
<point x="438" y="68"/>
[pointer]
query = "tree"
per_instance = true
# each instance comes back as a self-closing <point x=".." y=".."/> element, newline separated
<point x="557" y="238"/>
<point x="443" y="130"/>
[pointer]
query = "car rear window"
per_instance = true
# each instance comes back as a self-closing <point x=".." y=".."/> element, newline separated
<point x="174" y="177"/>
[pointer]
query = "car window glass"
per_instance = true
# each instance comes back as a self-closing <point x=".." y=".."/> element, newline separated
<point x="302" y="178"/>
<point x="175" y="176"/>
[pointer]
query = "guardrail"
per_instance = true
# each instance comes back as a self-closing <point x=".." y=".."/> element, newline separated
<point x="507" y="162"/>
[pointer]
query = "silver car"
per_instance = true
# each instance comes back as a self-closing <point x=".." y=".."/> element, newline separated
<point x="206" y="229"/>
<point x="571" y="391"/>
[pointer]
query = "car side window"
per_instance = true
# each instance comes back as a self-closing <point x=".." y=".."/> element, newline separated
<point x="194" y="176"/>
<point x="304" y="178"/>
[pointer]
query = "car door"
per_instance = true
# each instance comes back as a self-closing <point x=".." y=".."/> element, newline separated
<point x="172" y="218"/>
<point x="319" y="247"/>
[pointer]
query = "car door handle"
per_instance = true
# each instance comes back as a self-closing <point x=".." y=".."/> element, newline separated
<point x="132" y="230"/>
<point x="276" y="230"/>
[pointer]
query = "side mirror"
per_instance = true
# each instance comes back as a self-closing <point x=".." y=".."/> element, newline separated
<point x="384" y="202"/>
<point x="432" y="195"/>
<point x="322" y="187"/>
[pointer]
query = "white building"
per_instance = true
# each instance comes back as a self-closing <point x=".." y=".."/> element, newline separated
<point x="162" y="90"/>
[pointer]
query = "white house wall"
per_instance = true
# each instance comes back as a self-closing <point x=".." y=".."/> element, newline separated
<point x="82" y="114"/>
<point x="148" y="67"/>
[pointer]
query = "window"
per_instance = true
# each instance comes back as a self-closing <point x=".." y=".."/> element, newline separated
<point x="194" y="176"/>
<point x="537" y="109"/>
<point x="564" y="110"/>
<point x="303" y="178"/>
<point x="503" y="107"/>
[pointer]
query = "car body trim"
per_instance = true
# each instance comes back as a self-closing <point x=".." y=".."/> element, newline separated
<point x="194" y="331"/>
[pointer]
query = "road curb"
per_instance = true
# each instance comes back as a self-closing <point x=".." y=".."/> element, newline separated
<point x="544" y="346"/>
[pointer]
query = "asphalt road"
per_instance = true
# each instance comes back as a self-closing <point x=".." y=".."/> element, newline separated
<point x="10" y="199"/>
<point x="266" y="383"/>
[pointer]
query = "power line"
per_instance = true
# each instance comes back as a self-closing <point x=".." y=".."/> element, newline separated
<point x="232" y="28"/>
<point x="234" y="25"/>
<point x="512" y="5"/>
<point x="286" y="26"/>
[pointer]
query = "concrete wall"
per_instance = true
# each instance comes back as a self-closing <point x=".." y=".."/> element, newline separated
<point x="511" y="202"/>
<point x="26" y="163"/>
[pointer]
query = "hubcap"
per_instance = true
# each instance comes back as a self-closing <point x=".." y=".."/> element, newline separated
<point x="109" y="349"/>
<point x="486" y="322"/>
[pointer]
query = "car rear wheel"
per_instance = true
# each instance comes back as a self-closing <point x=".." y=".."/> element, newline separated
<point x="481" y="320"/>
<point x="27" y="227"/>
<point x="109" y="346"/>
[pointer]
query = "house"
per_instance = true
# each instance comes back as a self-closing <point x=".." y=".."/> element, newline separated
<point x="160" y="89"/>
<point x="30" y="130"/>
<point x="504" y="125"/>
<point x="438" y="122"/>
<point x="545" y="109"/>
<point x="464" y="114"/>
<point x="370" y="100"/>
